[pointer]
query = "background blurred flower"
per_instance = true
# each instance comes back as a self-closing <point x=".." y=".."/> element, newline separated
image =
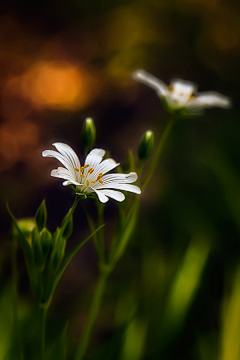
<point x="181" y="95"/>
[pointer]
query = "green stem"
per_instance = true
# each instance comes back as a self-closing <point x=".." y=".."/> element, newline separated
<point x="100" y="234"/>
<point x="42" y="329"/>
<point x="93" y="313"/>
<point x="71" y="211"/>
<point x="157" y="154"/>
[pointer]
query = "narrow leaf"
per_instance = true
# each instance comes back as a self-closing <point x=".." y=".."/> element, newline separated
<point x="65" y="263"/>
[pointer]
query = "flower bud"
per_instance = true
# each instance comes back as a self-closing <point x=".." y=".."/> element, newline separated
<point x="41" y="216"/>
<point x="26" y="226"/>
<point x="88" y="134"/>
<point x="146" y="145"/>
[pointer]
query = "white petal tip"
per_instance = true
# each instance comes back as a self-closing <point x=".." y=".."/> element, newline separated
<point x="131" y="177"/>
<point x="139" y="74"/>
<point x="45" y="153"/>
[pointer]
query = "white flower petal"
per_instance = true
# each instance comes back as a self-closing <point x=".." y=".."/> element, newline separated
<point x="59" y="157"/>
<point x="186" y="88"/>
<point x="102" y="197"/>
<point x="116" y="195"/>
<point x="150" y="80"/>
<point x="94" y="158"/>
<point x="210" y="99"/>
<point x="68" y="153"/>
<point x="66" y="183"/>
<point x="120" y="178"/>
<point x="63" y="174"/>
<point x="106" y="165"/>
<point x="113" y="185"/>
<point x="72" y="159"/>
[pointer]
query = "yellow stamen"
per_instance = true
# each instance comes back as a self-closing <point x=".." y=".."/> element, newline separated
<point x="86" y="166"/>
<point x="99" y="176"/>
<point x="77" y="169"/>
<point x="91" y="171"/>
<point x="87" y="182"/>
<point x="83" y="176"/>
<point x="101" y="182"/>
<point x="93" y="181"/>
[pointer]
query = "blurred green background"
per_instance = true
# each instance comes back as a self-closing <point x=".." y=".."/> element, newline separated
<point x="176" y="292"/>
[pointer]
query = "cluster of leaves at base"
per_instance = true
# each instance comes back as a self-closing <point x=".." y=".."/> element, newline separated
<point x="43" y="251"/>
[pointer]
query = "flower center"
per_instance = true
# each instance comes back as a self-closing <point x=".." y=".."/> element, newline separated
<point x="86" y="181"/>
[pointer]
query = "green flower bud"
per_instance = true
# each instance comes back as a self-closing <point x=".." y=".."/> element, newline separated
<point x="26" y="226"/>
<point x="88" y="134"/>
<point x="146" y="145"/>
<point x="41" y="216"/>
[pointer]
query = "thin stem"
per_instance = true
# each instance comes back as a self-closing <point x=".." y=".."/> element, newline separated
<point x="93" y="313"/>
<point x="71" y="211"/>
<point x="42" y="329"/>
<point x="100" y="234"/>
<point x="157" y="154"/>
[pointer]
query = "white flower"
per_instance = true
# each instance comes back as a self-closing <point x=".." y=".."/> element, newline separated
<point x="89" y="179"/>
<point x="181" y="95"/>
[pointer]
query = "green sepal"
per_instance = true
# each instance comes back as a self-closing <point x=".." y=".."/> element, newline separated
<point x="146" y="145"/>
<point x="41" y="216"/>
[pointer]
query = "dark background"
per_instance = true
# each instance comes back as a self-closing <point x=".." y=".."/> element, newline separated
<point x="61" y="62"/>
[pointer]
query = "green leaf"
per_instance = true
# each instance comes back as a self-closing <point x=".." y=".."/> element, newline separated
<point x="41" y="216"/>
<point x="23" y="241"/>
<point x="67" y="223"/>
<point x="53" y="284"/>
<point x="126" y="233"/>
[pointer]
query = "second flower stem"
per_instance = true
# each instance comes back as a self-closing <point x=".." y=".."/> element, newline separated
<point x="157" y="154"/>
